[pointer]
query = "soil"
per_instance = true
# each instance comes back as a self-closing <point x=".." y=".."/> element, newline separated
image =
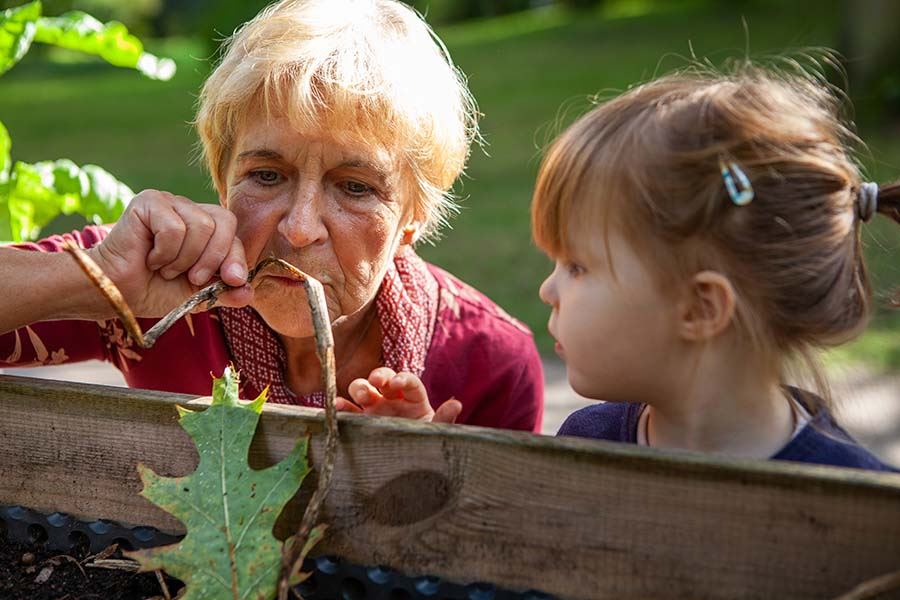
<point x="30" y="572"/>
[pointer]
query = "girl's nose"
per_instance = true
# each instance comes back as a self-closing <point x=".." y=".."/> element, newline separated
<point x="303" y="225"/>
<point x="548" y="290"/>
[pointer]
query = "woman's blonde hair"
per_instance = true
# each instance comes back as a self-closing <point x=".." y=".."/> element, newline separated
<point x="648" y="164"/>
<point x="369" y="69"/>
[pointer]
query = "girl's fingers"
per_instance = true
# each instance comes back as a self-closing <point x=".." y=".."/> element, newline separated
<point x="447" y="412"/>
<point x="381" y="376"/>
<point x="344" y="405"/>
<point x="408" y="387"/>
<point x="364" y="393"/>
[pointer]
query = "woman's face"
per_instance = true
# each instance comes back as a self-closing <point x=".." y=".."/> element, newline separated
<point x="331" y="208"/>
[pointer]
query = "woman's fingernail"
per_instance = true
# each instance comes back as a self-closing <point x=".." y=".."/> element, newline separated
<point x="200" y="277"/>
<point x="237" y="272"/>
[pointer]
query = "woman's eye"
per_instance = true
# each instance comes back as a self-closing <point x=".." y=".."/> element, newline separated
<point x="356" y="188"/>
<point x="266" y="177"/>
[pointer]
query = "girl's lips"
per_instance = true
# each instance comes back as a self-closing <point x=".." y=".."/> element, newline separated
<point x="559" y="349"/>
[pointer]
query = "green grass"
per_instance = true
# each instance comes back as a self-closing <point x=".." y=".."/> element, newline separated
<point x="532" y="73"/>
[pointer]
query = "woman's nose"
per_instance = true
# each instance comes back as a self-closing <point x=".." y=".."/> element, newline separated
<point x="303" y="224"/>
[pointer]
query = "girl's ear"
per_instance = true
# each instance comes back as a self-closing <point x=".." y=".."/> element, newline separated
<point x="707" y="307"/>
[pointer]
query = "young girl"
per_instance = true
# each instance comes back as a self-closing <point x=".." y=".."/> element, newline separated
<point x="706" y="233"/>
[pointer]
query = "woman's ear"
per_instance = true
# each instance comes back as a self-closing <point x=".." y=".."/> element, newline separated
<point x="707" y="307"/>
<point x="410" y="234"/>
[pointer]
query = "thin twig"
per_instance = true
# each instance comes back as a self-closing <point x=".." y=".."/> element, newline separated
<point x="115" y="564"/>
<point x="873" y="587"/>
<point x="209" y="294"/>
<point x="293" y="553"/>
<point x="107" y="288"/>
<point x="70" y="559"/>
<point x="162" y="584"/>
<point x="295" y="549"/>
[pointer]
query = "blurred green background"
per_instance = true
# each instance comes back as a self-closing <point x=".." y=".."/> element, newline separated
<point x="531" y="66"/>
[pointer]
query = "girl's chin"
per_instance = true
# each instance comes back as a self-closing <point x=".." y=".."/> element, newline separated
<point x="580" y="386"/>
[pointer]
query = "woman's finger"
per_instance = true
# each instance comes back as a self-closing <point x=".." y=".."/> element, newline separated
<point x="218" y="246"/>
<point x="199" y="228"/>
<point x="233" y="269"/>
<point x="234" y="298"/>
<point x="167" y="228"/>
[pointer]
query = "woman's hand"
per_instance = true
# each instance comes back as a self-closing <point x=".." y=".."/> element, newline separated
<point x="389" y="394"/>
<point x="165" y="247"/>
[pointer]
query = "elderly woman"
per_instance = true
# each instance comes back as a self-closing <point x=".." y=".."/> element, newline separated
<point x="333" y="131"/>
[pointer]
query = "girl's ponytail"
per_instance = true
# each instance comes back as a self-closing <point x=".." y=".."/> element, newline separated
<point x="888" y="201"/>
<point x="888" y="204"/>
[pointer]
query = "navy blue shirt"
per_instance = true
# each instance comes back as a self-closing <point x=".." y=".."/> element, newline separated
<point x="821" y="441"/>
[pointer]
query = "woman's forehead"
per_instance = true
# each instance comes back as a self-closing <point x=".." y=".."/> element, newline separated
<point x="275" y="136"/>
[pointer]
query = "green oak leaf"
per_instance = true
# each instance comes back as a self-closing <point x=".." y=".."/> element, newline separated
<point x="111" y="41"/>
<point x="227" y="508"/>
<point x="18" y="27"/>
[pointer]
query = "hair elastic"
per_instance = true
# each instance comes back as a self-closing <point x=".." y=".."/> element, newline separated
<point x="867" y="201"/>
<point x="742" y="196"/>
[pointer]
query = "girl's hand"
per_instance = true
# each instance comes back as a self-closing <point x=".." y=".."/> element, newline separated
<point x="166" y="247"/>
<point x="389" y="394"/>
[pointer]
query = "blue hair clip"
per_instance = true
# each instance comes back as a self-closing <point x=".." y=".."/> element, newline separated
<point x="729" y="173"/>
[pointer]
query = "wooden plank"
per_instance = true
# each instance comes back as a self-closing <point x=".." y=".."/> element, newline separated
<point x="576" y="518"/>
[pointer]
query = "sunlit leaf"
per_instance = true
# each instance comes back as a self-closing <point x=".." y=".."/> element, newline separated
<point x="111" y="41"/>
<point x="5" y="154"/>
<point x="18" y="27"/>
<point x="36" y="194"/>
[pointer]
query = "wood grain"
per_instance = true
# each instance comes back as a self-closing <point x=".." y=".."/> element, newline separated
<point x="575" y="518"/>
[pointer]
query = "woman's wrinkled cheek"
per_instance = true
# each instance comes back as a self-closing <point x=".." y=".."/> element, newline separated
<point x="365" y="248"/>
<point x="256" y="223"/>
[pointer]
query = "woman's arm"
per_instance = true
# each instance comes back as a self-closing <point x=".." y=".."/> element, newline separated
<point x="42" y="286"/>
<point x="163" y="249"/>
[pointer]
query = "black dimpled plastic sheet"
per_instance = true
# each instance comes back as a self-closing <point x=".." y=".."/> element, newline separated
<point x="331" y="578"/>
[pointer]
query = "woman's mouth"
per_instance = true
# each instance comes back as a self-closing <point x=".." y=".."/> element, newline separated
<point x="559" y="350"/>
<point x="287" y="281"/>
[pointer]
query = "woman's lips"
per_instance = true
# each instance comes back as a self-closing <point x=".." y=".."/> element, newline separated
<point x="288" y="281"/>
<point x="559" y="349"/>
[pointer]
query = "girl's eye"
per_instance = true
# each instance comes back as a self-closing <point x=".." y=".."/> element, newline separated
<point x="356" y="188"/>
<point x="574" y="269"/>
<point x="266" y="177"/>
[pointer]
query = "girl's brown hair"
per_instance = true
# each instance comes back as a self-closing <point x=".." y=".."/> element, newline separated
<point x="648" y="163"/>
